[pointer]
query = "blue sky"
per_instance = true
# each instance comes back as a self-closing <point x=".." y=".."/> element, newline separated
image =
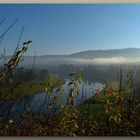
<point x="67" y="28"/>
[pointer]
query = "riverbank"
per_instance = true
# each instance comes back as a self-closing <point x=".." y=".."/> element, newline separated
<point x="33" y="87"/>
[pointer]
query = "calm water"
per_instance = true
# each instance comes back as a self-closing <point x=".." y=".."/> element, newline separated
<point x="39" y="102"/>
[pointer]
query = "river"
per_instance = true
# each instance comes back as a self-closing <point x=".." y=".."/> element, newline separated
<point x="40" y="101"/>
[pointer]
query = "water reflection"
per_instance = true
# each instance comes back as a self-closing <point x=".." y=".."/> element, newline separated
<point x="40" y="103"/>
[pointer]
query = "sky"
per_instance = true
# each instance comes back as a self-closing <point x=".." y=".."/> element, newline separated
<point x="71" y="28"/>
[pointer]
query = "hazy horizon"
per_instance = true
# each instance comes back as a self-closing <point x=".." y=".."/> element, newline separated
<point x="77" y="52"/>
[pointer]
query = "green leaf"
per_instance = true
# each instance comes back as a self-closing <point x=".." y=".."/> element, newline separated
<point x="71" y="92"/>
<point x="74" y="87"/>
<point x="119" y="115"/>
<point x="72" y="74"/>
<point x="77" y="93"/>
<point x="82" y="77"/>
<point x="50" y="106"/>
<point x="25" y="49"/>
<point x="6" y="126"/>
<point x="110" y="118"/>
<point x="25" y="43"/>
<point x="76" y="126"/>
<point x="79" y="81"/>
<point x="106" y="110"/>
<point x="18" y="52"/>
<point x="107" y="101"/>
<point x="115" y="119"/>
<point x="46" y="89"/>
<point x="132" y="132"/>
<point x="30" y="41"/>
<point x="70" y="83"/>
<point x="62" y="93"/>
<point x="58" y="89"/>
<point x="62" y="106"/>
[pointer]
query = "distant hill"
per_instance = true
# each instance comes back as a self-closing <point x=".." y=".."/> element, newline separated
<point x="128" y="52"/>
<point x="129" y="55"/>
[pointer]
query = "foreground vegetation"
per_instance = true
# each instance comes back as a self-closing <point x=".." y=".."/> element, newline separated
<point x="114" y="111"/>
<point x="116" y="115"/>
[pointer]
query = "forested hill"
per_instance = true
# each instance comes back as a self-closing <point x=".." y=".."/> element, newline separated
<point x="127" y="52"/>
